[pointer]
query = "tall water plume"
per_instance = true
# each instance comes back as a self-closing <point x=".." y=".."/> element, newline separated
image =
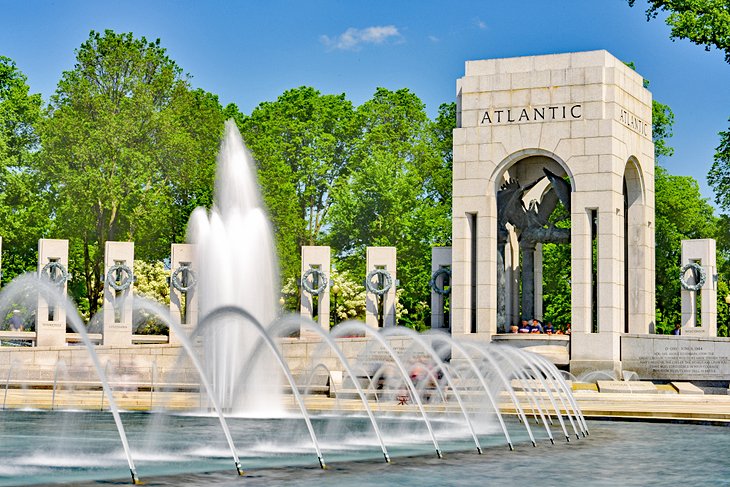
<point x="236" y="266"/>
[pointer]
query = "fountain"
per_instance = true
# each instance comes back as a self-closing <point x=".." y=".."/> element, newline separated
<point x="400" y="393"/>
<point x="237" y="268"/>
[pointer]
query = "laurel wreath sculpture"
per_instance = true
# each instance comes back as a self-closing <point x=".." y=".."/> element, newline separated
<point x="55" y="278"/>
<point x="177" y="277"/>
<point x="699" y="271"/>
<point x="125" y="280"/>
<point x="310" y="287"/>
<point x="387" y="282"/>
<point x="433" y="283"/>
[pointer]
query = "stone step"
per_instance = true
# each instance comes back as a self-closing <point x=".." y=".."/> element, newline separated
<point x="687" y="388"/>
<point x="626" y="387"/>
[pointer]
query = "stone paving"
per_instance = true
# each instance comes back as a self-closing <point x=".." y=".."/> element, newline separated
<point x="664" y="404"/>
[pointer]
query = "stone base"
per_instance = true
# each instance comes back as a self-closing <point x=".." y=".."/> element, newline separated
<point x="626" y="387"/>
<point x="536" y="385"/>
<point x="580" y="367"/>
<point x="555" y="348"/>
<point x="687" y="388"/>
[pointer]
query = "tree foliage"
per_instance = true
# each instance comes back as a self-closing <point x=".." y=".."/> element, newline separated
<point x="681" y="213"/>
<point x="23" y="210"/>
<point x="128" y="150"/>
<point x="302" y="144"/>
<point x="719" y="175"/>
<point x="392" y="196"/>
<point x="662" y="119"/>
<point x="702" y="22"/>
<point x="705" y="23"/>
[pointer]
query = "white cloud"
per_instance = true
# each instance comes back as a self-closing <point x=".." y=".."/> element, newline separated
<point x="352" y="39"/>
<point x="434" y="39"/>
<point x="480" y="24"/>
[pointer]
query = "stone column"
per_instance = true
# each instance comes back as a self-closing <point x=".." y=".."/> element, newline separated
<point x="512" y="280"/>
<point x="316" y="257"/>
<point x="597" y="349"/>
<point x="381" y="258"/>
<point x="537" y="277"/>
<point x="183" y="303"/>
<point x="702" y="252"/>
<point x="528" y="280"/>
<point x="50" y="325"/>
<point x="502" y="320"/>
<point x="440" y="258"/>
<point x="117" y="310"/>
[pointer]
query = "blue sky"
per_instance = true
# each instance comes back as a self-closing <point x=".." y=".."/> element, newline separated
<point x="251" y="51"/>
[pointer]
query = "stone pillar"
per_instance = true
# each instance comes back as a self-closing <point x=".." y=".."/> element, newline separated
<point x="596" y="346"/>
<point x="183" y="303"/>
<point x="702" y="252"/>
<point x="316" y="257"/>
<point x="537" y="272"/>
<point x="512" y="280"/>
<point x="440" y="258"/>
<point x="381" y="258"/>
<point x="528" y="280"/>
<point x="50" y="325"/>
<point x="117" y="310"/>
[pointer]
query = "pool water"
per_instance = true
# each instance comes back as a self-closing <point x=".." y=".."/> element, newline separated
<point x="83" y="448"/>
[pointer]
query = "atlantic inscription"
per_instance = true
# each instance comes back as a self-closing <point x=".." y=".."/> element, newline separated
<point x="531" y="114"/>
<point x="634" y="123"/>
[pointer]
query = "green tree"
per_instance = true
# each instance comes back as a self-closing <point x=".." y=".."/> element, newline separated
<point x="681" y="213"/>
<point x="723" y="309"/>
<point x="302" y="144"/>
<point x="702" y="22"/>
<point x="719" y="175"/>
<point x="24" y="216"/>
<point x="662" y="121"/>
<point x="556" y="260"/>
<point x="127" y="151"/>
<point x="390" y="197"/>
<point x="705" y="23"/>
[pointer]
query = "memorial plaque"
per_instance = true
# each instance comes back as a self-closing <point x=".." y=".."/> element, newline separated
<point x="677" y="358"/>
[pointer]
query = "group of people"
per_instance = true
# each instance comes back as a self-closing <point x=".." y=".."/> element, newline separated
<point x="535" y="326"/>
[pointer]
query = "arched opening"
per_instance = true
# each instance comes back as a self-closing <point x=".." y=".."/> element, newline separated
<point x="533" y="190"/>
<point x="633" y="248"/>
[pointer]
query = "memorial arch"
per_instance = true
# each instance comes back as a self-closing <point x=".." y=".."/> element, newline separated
<point x="534" y="133"/>
<point x="526" y="196"/>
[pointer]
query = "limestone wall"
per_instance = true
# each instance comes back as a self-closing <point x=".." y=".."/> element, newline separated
<point x="142" y="365"/>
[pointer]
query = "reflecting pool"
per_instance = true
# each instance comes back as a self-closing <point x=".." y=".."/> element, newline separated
<point x="189" y="450"/>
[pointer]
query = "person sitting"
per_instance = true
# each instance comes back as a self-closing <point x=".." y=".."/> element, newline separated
<point x="549" y="328"/>
<point x="16" y="322"/>
<point x="536" y="326"/>
<point x="567" y="329"/>
<point x="524" y="327"/>
<point x="677" y="329"/>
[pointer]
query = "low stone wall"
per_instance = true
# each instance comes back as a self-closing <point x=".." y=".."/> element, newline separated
<point x="152" y="365"/>
<point x="302" y="354"/>
<point x="146" y="365"/>
<point x="555" y="348"/>
<point x="668" y="357"/>
<point x="140" y="364"/>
